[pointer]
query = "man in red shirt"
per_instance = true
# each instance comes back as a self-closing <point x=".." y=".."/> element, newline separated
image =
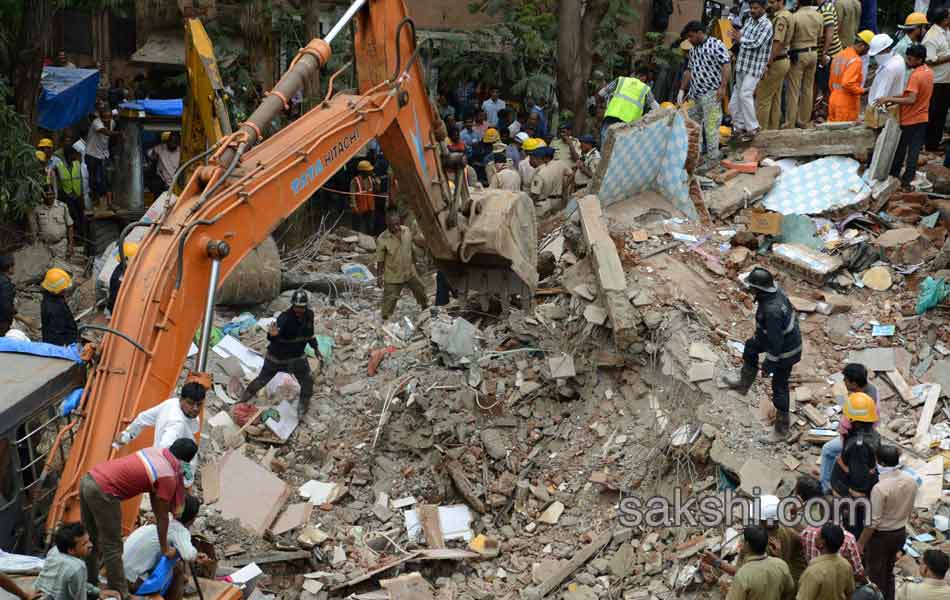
<point x="154" y="471"/>
<point x="915" y="107"/>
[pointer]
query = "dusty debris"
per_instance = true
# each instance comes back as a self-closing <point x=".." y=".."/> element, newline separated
<point x="255" y="511"/>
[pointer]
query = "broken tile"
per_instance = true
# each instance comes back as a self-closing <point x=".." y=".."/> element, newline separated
<point x="702" y="371"/>
<point x="256" y="511"/>
<point x="562" y="366"/>
<point x="552" y="514"/>
<point x="321" y="492"/>
<point x="294" y="516"/>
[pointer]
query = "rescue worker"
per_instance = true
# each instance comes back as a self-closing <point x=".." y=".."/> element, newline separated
<point x="7" y="293"/>
<point x="778" y="337"/>
<point x="51" y="224"/>
<point x="530" y="163"/>
<point x="628" y="99"/>
<point x="395" y="265"/>
<point x="768" y="94"/>
<point x="855" y="469"/>
<point x="888" y="80"/>
<point x="586" y="166"/>
<point x="71" y="177"/>
<point x="129" y="249"/>
<point x="167" y="157"/>
<point x="289" y="337"/>
<point x="49" y="173"/>
<point x="482" y="151"/>
<point x="362" y="202"/>
<point x="46" y="146"/>
<point x="59" y="326"/>
<point x="491" y="167"/>
<point x="807" y="29"/>
<point x="914" y="28"/>
<point x="844" y="104"/>
<point x="505" y="177"/>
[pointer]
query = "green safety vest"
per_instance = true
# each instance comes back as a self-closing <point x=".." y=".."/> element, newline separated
<point x="70" y="182"/>
<point x="628" y="100"/>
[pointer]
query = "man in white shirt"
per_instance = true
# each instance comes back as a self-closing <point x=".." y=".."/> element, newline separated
<point x="889" y="81"/>
<point x="141" y="551"/>
<point x="492" y="107"/>
<point x="172" y="419"/>
<point x="167" y="156"/>
<point x="97" y="153"/>
<point x="937" y="42"/>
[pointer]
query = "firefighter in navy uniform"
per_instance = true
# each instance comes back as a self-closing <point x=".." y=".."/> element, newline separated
<point x="777" y="337"/>
<point x="289" y="338"/>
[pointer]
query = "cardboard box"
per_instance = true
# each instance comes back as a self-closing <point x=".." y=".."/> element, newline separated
<point x="769" y="223"/>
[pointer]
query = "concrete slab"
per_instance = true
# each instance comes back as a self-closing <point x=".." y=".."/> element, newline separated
<point x="884" y="149"/>
<point x="701" y="371"/>
<point x="790" y="143"/>
<point x="703" y="352"/>
<point x="296" y="515"/>
<point x="757" y="477"/>
<point x="875" y="359"/>
<point x="257" y="510"/>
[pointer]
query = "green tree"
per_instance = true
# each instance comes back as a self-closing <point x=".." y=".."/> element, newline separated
<point x="558" y="41"/>
<point x="21" y="184"/>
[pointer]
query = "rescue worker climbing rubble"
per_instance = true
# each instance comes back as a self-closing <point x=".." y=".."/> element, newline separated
<point x="778" y="337"/>
<point x="288" y="339"/>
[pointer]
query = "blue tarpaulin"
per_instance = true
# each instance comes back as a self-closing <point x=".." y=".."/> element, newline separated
<point x="67" y="96"/>
<point x="159" y="108"/>
<point x="70" y="352"/>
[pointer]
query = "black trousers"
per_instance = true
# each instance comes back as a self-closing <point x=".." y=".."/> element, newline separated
<point x="908" y="151"/>
<point x="298" y="367"/>
<point x="880" y="555"/>
<point x="77" y="211"/>
<point x="939" y="106"/>
<point x="780" y="376"/>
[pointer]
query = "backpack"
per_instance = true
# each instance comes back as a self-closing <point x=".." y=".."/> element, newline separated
<point x="858" y="455"/>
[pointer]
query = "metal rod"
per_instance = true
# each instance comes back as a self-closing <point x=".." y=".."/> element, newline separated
<point x="344" y="20"/>
<point x="208" y="321"/>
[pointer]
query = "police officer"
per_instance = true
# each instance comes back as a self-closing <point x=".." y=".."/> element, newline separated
<point x="288" y="339"/>
<point x="777" y="336"/>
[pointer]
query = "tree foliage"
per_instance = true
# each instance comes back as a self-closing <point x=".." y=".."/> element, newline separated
<point x="21" y="188"/>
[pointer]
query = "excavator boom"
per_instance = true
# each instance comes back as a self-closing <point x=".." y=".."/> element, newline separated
<point x="230" y="206"/>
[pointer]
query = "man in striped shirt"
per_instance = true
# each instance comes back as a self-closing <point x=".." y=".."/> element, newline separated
<point x="755" y="41"/>
<point x="829" y="44"/>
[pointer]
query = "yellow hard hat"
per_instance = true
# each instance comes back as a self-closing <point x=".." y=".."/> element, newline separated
<point x="860" y="407"/>
<point x="130" y="249"/>
<point x="56" y="281"/>
<point x="667" y="105"/>
<point x="45" y="143"/>
<point x="725" y="132"/>
<point x="915" y="19"/>
<point x="866" y="36"/>
<point x="491" y="136"/>
<point x="532" y="144"/>
<point x="40" y="156"/>
<point x="166" y="135"/>
<point x="364" y="166"/>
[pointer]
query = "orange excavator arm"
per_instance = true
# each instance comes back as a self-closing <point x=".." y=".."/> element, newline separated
<point x="230" y="206"/>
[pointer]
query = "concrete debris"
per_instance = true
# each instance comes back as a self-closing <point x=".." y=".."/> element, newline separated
<point x="794" y="143"/>
<point x="256" y="511"/>
<point x="321" y="492"/>
<point x="552" y="514"/>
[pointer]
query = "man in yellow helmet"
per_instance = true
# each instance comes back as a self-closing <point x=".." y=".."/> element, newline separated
<point x="846" y="79"/>
<point x="855" y="470"/>
<point x="59" y="326"/>
<point x="129" y="250"/>
<point x="530" y="163"/>
<point x="628" y="99"/>
<point x="913" y="30"/>
<point x="363" y="190"/>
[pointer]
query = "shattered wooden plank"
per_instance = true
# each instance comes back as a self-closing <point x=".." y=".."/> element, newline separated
<point x="431" y="527"/>
<point x="790" y="143"/>
<point x="464" y="487"/>
<point x="608" y="270"/>
<point x="900" y="385"/>
<point x="211" y="482"/>
<point x="555" y="580"/>
<point x="922" y="437"/>
<point x="439" y="554"/>
<point x="408" y="587"/>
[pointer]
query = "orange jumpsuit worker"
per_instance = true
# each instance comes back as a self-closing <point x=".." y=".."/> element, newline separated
<point x="847" y="75"/>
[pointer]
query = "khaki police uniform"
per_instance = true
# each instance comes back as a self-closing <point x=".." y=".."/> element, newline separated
<point x="768" y="94"/>
<point x="51" y="226"/>
<point x="396" y="252"/>
<point x="808" y="28"/>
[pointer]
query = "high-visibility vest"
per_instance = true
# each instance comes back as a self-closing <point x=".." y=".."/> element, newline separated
<point x="365" y="202"/>
<point x="839" y="65"/>
<point x="70" y="182"/>
<point x="628" y="100"/>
